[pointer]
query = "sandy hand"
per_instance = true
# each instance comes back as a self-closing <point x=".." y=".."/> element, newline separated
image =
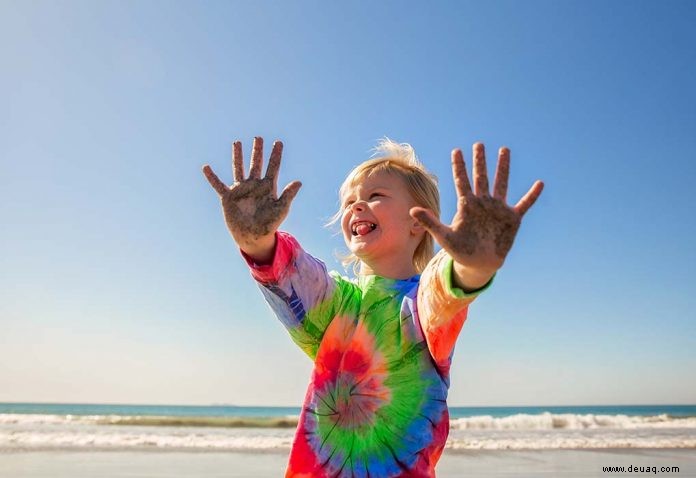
<point x="251" y="206"/>
<point x="484" y="227"/>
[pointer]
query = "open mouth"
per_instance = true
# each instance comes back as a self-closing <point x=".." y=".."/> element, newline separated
<point x="361" y="228"/>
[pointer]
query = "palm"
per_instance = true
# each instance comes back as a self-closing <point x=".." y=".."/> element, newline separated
<point x="484" y="226"/>
<point x="251" y="206"/>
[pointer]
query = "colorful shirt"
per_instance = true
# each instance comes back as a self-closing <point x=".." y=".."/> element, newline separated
<point x="376" y="405"/>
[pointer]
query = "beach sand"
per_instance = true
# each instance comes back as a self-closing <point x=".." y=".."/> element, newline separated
<point x="490" y="464"/>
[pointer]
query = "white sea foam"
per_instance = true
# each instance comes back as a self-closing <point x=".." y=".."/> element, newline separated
<point x="516" y="432"/>
<point x="249" y="441"/>
<point x="139" y="440"/>
<point x="550" y="421"/>
<point x="542" y="421"/>
<point x="16" y="418"/>
<point x="151" y="420"/>
<point x="571" y="439"/>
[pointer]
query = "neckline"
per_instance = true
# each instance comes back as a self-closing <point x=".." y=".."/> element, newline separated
<point x="364" y="280"/>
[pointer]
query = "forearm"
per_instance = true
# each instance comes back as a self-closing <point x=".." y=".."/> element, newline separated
<point x="470" y="279"/>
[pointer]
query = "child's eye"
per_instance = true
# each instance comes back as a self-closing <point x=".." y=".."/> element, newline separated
<point x="351" y="201"/>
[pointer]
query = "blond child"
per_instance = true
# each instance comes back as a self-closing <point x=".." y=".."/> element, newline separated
<point x="381" y="344"/>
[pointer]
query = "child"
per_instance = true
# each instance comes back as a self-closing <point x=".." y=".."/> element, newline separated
<point x="382" y="344"/>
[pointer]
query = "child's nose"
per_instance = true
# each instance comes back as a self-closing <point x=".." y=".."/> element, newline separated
<point x="359" y="206"/>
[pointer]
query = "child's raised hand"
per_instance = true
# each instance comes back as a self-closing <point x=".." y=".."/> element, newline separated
<point x="484" y="226"/>
<point x="252" y="208"/>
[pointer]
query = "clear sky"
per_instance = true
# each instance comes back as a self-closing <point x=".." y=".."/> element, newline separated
<point x="119" y="282"/>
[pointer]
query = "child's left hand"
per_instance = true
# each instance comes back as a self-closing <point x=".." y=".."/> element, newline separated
<point x="484" y="227"/>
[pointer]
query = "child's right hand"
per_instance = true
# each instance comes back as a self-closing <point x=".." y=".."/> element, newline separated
<point x="253" y="211"/>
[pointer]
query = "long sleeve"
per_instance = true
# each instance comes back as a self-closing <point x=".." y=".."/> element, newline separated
<point x="300" y="291"/>
<point x="442" y="308"/>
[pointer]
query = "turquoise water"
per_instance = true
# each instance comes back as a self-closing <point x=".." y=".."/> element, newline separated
<point x="675" y="411"/>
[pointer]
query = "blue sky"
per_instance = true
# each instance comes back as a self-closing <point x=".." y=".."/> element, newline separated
<point x="120" y="283"/>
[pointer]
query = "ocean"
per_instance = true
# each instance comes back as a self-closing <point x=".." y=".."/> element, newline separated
<point x="42" y="426"/>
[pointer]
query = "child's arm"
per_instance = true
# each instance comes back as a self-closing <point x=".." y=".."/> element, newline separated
<point x="297" y="286"/>
<point x="474" y="248"/>
<point x="301" y="292"/>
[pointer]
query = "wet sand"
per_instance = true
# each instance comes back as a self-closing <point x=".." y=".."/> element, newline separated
<point x="490" y="464"/>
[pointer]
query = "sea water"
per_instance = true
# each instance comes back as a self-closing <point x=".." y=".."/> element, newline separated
<point x="39" y="426"/>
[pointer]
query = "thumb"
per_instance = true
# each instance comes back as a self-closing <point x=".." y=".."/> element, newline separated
<point x="289" y="193"/>
<point x="214" y="181"/>
<point x="430" y="221"/>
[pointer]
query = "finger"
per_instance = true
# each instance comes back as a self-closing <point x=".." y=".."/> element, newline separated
<point x="502" y="173"/>
<point x="461" y="179"/>
<point x="274" y="164"/>
<point x="480" y="174"/>
<point x="237" y="162"/>
<point x="214" y="181"/>
<point x="430" y="222"/>
<point x="289" y="193"/>
<point x="256" y="159"/>
<point x="529" y="199"/>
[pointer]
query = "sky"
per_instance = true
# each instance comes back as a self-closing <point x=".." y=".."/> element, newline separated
<point x="119" y="282"/>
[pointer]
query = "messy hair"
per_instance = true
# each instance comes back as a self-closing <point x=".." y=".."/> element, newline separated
<point x="400" y="160"/>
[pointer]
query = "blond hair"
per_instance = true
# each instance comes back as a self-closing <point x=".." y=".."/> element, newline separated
<point x="400" y="160"/>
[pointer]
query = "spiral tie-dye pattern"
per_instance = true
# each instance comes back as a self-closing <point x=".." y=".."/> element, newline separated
<point x="376" y="405"/>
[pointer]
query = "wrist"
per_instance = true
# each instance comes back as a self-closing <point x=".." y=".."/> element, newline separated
<point x="261" y="249"/>
<point x="468" y="278"/>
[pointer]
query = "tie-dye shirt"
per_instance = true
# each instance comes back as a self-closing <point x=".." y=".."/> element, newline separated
<point x="376" y="405"/>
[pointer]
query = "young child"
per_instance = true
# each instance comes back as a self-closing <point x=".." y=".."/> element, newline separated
<point x="382" y="345"/>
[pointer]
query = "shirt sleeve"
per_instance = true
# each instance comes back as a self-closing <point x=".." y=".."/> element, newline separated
<point x="299" y="291"/>
<point x="442" y="308"/>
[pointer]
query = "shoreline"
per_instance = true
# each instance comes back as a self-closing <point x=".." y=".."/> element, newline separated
<point x="266" y="464"/>
<point x="286" y="452"/>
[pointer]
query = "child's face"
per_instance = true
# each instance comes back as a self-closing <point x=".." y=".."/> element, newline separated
<point x="375" y="221"/>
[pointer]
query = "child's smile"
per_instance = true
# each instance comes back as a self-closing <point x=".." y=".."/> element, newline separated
<point x="376" y="222"/>
<point x="362" y="228"/>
